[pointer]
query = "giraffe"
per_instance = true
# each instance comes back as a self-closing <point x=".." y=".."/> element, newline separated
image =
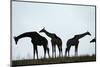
<point x="74" y="42"/>
<point x="55" y="40"/>
<point x="37" y="40"/>
<point x="93" y="40"/>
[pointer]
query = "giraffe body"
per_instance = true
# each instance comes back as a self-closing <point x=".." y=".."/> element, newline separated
<point x="55" y="40"/>
<point x="74" y="42"/>
<point x="37" y="40"/>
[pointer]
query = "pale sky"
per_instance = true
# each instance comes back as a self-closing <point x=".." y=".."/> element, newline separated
<point x="63" y="20"/>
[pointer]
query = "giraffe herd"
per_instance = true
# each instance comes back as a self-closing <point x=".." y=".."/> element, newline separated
<point x="38" y="40"/>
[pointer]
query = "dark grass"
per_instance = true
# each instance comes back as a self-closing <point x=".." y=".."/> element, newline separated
<point x="53" y="60"/>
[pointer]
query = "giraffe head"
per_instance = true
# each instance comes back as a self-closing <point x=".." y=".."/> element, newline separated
<point x="43" y="30"/>
<point x="88" y="33"/>
<point x="16" y="40"/>
<point x="93" y="40"/>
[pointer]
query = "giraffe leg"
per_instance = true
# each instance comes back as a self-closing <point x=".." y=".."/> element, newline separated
<point x="48" y="52"/>
<point x="55" y="51"/>
<point x="66" y="52"/>
<point x="44" y="51"/>
<point x="60" y="52"/>
<point x="52" y="50"/>
<point x="36" y="51"/>
<point x="69" y="50"/>
<point x="76" y="49"/>
<point x="47" y="49"/>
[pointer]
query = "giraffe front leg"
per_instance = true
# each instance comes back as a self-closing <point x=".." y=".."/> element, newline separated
<point x="48" y="52"/>
<point x="66" y="52"/>
<point x="60" y="52"/>
<point x="44" y="52"/>
<point x="33" y="49"/>
<point x="36" y="51"/>
<point x="45" y="48"/>
<point x="33" y="52"/>
<point x="76" y="49"/>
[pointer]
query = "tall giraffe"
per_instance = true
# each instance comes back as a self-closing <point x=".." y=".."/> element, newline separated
<point x="37" y="40"/>
<point x="55" y="40"/>
<point x="74" y="42"/>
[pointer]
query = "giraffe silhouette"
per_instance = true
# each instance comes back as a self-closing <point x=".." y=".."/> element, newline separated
<point x="74" y="42"/>
<point x="55" y="40"/>
<point x="93" y="40"/>
<point x="37" y="40"/>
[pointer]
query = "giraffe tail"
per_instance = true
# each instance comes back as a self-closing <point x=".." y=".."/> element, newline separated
<point x="16" y="39"/>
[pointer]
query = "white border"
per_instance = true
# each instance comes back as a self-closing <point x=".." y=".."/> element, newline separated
<point x="5" y="33"/>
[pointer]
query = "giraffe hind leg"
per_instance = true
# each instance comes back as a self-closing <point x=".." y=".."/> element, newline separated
<point x="48" y="52"/>
<point x="67" y="51"/>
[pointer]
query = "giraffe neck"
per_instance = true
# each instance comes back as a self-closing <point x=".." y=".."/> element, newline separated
<point x="27" y="34"/>
<point x="82" y="35"/>
<point x="48" y="34"/>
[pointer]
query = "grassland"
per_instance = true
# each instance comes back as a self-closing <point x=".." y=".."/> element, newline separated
<point x="53" y="60"/>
